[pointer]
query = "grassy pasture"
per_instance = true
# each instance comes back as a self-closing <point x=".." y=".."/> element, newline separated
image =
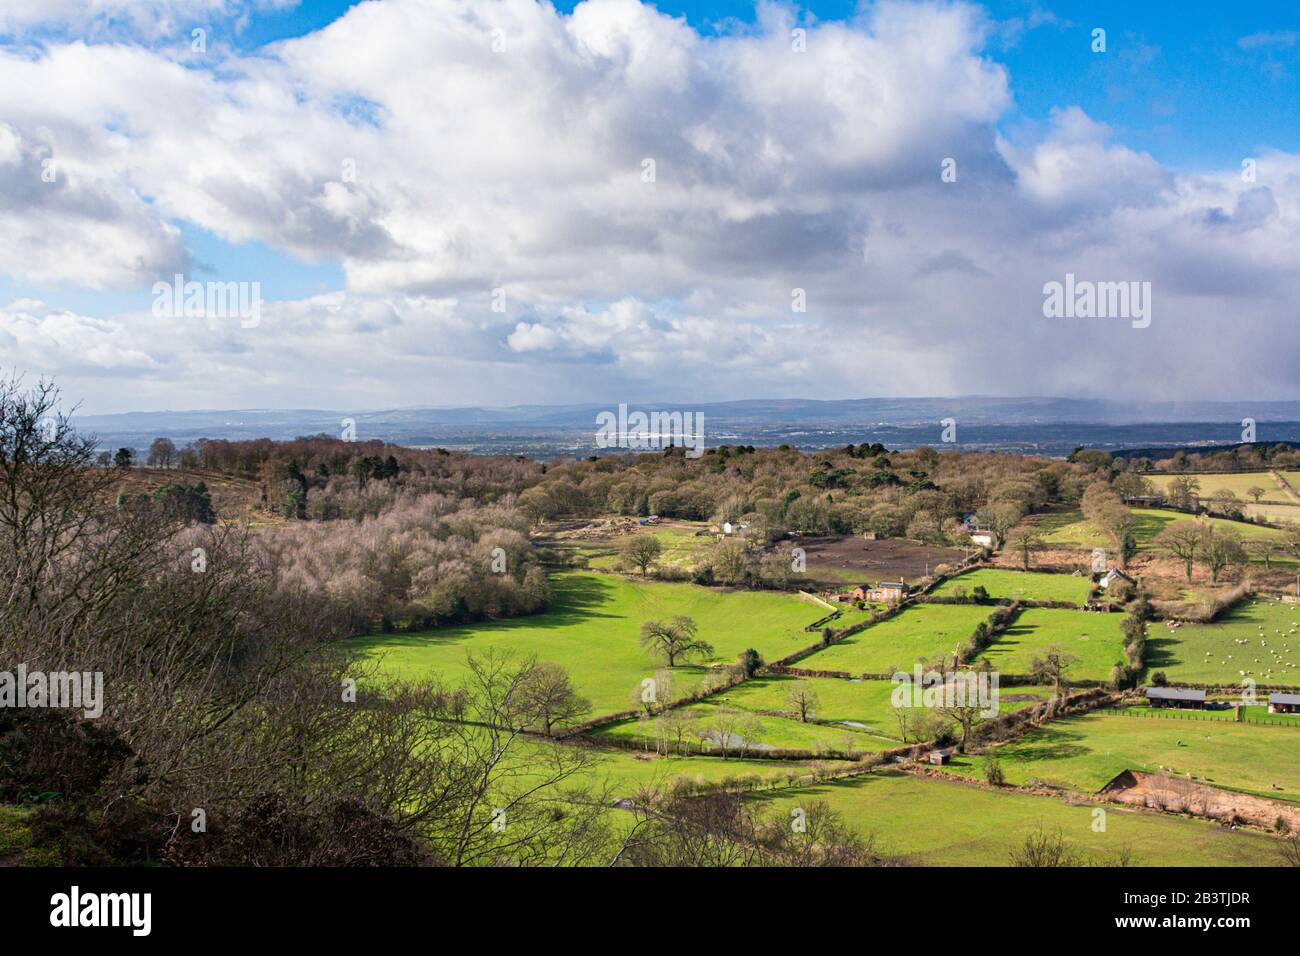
<point x="1237" y="483"/>
<point x="1257" y="713"/>
<point x="1277" y="513"/>
<point x="944" y="823"/>
<point x="866" y="702"/>
<point x="851" y="715"/>
<point x="1094" y="638"/>
<point x="593" y="631"/>
<point x="1025" y="585"/>
<point x="1275" y="505"/>
<point x="766" y="732"/>
<point x="1208" y="653"/>
<point x="1069" y="529"/>
<point x="921" y="632"/>
<point x="1085" y="753"/>
<point x="623" y="773"/>
<point x="682" y="547"/>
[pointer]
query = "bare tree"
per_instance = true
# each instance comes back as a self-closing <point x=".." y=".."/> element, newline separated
<point x="730" y="729"/>
<point x="547" y="696"/>
<point x="676" y="725"/>
<point x="641" y="551"/>
<point x="1043" y="849"/>
<point x="1289" y="849"/>
<point x="1183" y="539"/>
<point x="1024" y="539"/>
<point x="162" y="453"/>
<point x="1051" y="668"/>
<point x="967" y="716"/>
<point x="802" y="699"/>
<point x="721" y="829"/>
<point x="1222" y="548"/>
<point x="674" y="639"/>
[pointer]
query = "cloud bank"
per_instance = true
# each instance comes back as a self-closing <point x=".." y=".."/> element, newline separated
<point x="530" y="206"/>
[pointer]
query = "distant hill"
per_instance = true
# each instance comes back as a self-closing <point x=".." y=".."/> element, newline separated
<point x="1043" y="425"/>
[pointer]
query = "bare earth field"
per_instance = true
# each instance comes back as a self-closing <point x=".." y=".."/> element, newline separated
<point x="833" y="561"/>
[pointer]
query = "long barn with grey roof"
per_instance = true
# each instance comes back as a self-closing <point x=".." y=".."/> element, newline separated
<point x="1175" y="697"/>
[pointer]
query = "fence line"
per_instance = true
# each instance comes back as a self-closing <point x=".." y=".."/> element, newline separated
<point x="1260" y="721"/>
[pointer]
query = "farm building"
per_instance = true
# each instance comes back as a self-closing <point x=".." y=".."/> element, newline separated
<point x="1284" y="703"/>
<point x="1145" y="501"/>
<point x="941" y="757"/>
<point x="887" y="592"/>
<point x="1176" y="697"/>
<point x="1113" y="575"/>
<point x="983" y="538"/>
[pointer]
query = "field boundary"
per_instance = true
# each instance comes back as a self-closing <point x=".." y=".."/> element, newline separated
<point x="1194" y="716"/>
<point x="1285" y="485"/>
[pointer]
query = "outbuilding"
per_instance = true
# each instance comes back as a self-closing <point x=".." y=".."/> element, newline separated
<point x="1284" y="703"/>
<point x="1113" y="575"/>
<point x="1176" y="697"/>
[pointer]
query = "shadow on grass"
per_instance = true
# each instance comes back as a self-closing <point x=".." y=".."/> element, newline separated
<point x="1160" y="653"/>
<point x="578" y="598"/>
<point x="1007" y="642"/>
<point x="1150" y="525"/>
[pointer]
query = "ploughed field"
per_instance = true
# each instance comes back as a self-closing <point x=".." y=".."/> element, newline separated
<point x="850" y="559"/>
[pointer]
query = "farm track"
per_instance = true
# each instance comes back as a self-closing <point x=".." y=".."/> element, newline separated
<point x="1285" y="486"/>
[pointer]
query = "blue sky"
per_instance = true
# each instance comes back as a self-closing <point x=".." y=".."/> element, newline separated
<point x="520" y="171"/>
<point x="1197" y="85"/>
<point x="1179" y="83"/>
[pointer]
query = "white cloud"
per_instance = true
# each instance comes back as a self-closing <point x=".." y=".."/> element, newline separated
<point x="149" y="19"/>
<point x="501" y="145"/>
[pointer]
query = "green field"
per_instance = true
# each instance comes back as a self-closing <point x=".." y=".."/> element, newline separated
<point x="944" y="823"/>
<point x="1276" y="504"/>
<point x="1085" y="753"/>
<point x="1095" y="639"/>
<point x="1277" y="513"/>
<point x="1251" y="713"/>
<point x="593" y="632"/>
<point x="1292" y="478"/>
<point x="1239" y="484"/>
<point x="1208" y="653"/>
<point x="850" y="716"/>
<point x="1068" y="529"/>
<point x="921" y="632"/>
<point x="624" y="773"/>
<point x="865" y="702"/>
<point x="767" y="732"/>
<point x="1025" y="585"/>
<point x="682" y="547"/>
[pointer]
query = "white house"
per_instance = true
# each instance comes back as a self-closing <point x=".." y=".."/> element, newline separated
<point x="1113" y="575"/>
